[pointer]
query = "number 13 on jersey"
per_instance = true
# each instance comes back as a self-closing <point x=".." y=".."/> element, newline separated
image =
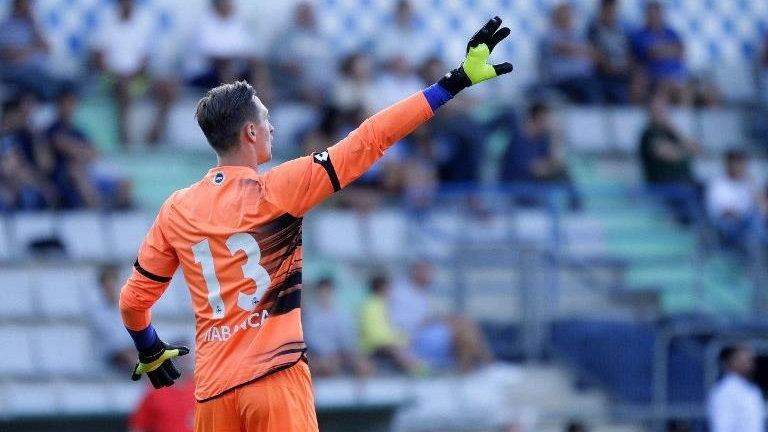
<point x="251" y="269"/>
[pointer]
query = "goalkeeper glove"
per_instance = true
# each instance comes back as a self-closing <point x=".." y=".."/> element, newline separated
<point x="475" y="67"/>
<point x="156" y="362"/>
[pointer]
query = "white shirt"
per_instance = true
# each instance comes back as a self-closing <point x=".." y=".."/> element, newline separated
<point x="726" y="194"/>
<point x="223" y="37"/>
<point x="736" y="405"/>
<point x="410" y="307"/>
<point x="124" y="44"/>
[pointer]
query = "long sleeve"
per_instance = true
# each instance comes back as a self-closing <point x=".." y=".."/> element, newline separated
<point x="300" y="184"/>
<point x="153" y="269"/>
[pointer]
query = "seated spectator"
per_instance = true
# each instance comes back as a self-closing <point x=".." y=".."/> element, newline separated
<point x="330" y="335"/>
<point x="666" y="157"/>
<point x="24" y="53"/>
<point x="21" y="186"/>
<point x="378" y="336"/>
<point x="437" y="339"/>
<point x="736" y="403"/>
<point x="733" y="201"/>
<point x="168" y="409"/>
<point x="304" y="57"/>
<point x="105" y="324"/>
<point x="397" y="81"/>
<point x="122" y="52"/>
<point x="224" y="51"/>
<point x="400" y="35"/>
<point x="75" y="173"/>
<point x="536" y="156"/>
<point x="658" y="53"/>
<point x="568" y="59"/>
<point x="610" y="42"/>
<point x="354" y="89"/>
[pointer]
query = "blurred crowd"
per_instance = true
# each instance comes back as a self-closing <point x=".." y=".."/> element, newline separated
<point x="609" y="62"/>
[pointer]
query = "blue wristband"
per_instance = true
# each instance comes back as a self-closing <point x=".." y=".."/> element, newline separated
<point x="144" y="339"/>
<point x="436" y="96"/>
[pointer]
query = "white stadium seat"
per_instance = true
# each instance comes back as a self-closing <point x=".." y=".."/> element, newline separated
<point x="339" y="234"/>
<point x="83" y="235"/>
<point x="685" y="121"/>
<point x="721" y="129"/>
<point x="63" y="349"/>
<point x="125" y="231"/>
<point x="586" y="129"/>
<point x="16" y="339"/>
<point x="627" y="125"/>
<point x="60" y="292"/>
<point x="83" y="397"/>
<point x="18" y="300"/>
<point x="5" y="242"/>
<point x="29" y="227"/>
<point x="388" y="234"/>
<point x="26" y="398"/>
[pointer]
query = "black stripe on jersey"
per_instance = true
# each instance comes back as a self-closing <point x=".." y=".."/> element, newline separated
<point x="286" y="303"/>
<point x="149" y="275"/>
<point x="324" y="159"/>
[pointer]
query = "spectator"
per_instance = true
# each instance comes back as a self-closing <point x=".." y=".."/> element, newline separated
<point x="75" y="173"/>
<point x="568" y="59"/>
<point x="105" y="324"/>
<point x="354" y="89"/>
<point x="168" y="409"/>
<point x="733" y="201"/>
<point x="331" y="335"/>
<point x="401" y="36"/>
<point x="610" y="42"/>
<point x="304" y="58"/>
<point x="122" y="52"/>
<point x="22" y="187"/>
<point x="666" y="157"/>
<point x="397" y="81"/>
<point x="736" y="403"/>
<point x="379" y="337"/>
<point x="658" y="52"/>
<point x="24" y="53"/>
<point x="436" y="339"/>
<point x="536" y="156"/>
<point x="226" y="52"/>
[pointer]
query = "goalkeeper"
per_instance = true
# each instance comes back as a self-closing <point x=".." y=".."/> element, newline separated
<point x="237" y="236"/>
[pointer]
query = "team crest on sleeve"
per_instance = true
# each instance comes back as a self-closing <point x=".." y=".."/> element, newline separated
<point x="218" y="178"/>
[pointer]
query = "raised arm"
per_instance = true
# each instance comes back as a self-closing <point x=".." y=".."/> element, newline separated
<point x="300" y="184"/>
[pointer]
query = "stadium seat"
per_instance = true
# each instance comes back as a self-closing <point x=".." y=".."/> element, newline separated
<point x="586" y="129"/>
<point x="721" y="129"/>
<point x="29" y="228"/>
<point x="60" y="292"/>
<point x="27" y="398"/>
<point x="125" y="232"/>
<point x="736" y="80"/>
<point x="22" y="363"/>
<point x="64" y="349"/>
<point x="125" y="395"/>
<point x="18" y="301"/>
<point x="340" y="234"/>
<point x="627" y="125"/>
<point x="533" y="226"/>
<point x="80" y="245"/>
<point x="83" y="397"/>
<point x="5" y="243"/>
<point x="388" y="234"/>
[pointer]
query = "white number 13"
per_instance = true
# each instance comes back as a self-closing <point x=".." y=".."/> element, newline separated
<point x="251" y="269"/>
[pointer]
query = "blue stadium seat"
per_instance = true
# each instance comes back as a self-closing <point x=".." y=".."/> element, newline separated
<point x="125" y="232"/>
<point x="627" y="125"/>
<point x="22" y="363"/>
<point x="60" y="292"/>
<point x="18" y="299"/>
<point x="62" y="350"/>
<point x="72" y="227"/>
<point x="27" y="398"/>
<point x="586" y="129"/>
<point x="721" y="129"/>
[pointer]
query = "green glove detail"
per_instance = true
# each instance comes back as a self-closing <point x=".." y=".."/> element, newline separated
<point x="475" y="67"/>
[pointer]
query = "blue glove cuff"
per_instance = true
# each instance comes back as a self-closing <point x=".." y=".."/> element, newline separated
<point x="436" y="96"/>
<point x="144" y="339"/>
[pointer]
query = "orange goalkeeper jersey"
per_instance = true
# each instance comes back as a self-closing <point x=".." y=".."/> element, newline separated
<point x="237" y="236"/>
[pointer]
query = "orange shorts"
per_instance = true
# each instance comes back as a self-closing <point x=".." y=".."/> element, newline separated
<point x="280" y="402"/>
